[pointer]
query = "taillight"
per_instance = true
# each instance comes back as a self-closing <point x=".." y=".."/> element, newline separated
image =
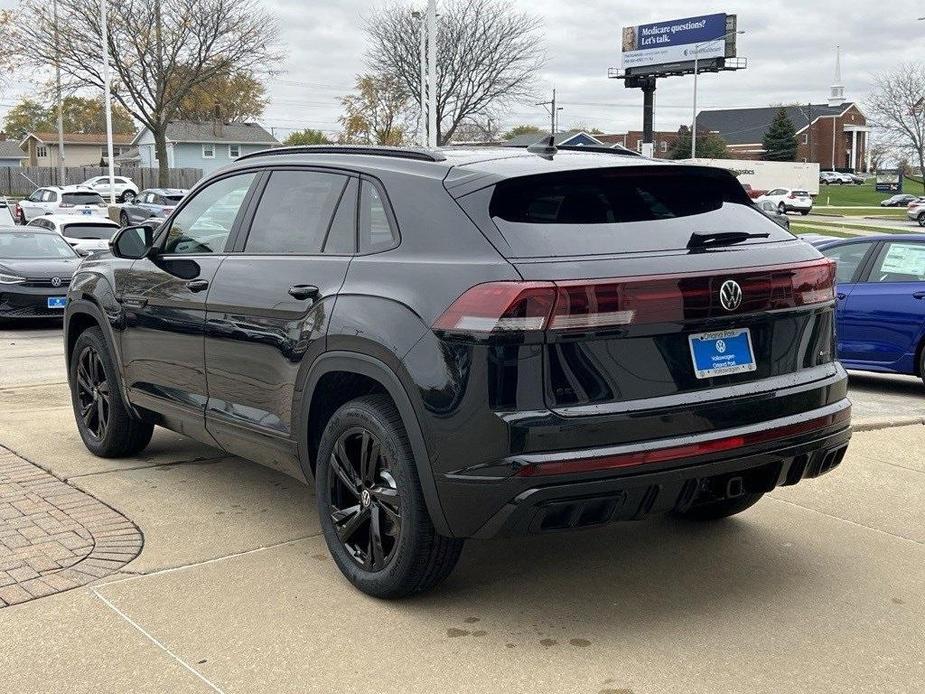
<point x="791" y="197"/>
<point x="516" y="307"/>
<point x="168" y="210"/>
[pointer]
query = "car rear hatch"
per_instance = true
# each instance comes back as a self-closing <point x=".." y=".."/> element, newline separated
<point x="654" y="287"/>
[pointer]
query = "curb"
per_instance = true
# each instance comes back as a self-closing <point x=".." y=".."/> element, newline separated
<point x="888" y="423"/>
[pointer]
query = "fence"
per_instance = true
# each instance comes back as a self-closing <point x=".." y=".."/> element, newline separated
<point x="18" y="182"/>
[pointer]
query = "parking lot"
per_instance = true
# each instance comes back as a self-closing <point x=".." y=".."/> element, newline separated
<point x="817" y="588"/>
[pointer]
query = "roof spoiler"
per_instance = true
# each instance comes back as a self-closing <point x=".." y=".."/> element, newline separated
<point x="547" y="149"/>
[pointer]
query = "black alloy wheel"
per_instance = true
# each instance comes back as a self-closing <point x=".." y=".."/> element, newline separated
<point x="365" y="506"/>
<point x="94" y="395"/>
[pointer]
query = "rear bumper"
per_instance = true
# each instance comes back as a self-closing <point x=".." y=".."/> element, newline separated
<point x="633" y="480"/>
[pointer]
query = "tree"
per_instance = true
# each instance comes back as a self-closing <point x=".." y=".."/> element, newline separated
<point x="487" y="57"/>
<point x="519" y="130"/>
<point x="239" y="97"/>
<point x="81" y="115"/>
<point x="160" y="50"/>
<point x="897" y="108"/>
<point x="379" y="113"/>
<point x="709" y="145"/>
<point x="780" y="142"/>
<point x="477" y="130"/>
<point x="307" y="137"/>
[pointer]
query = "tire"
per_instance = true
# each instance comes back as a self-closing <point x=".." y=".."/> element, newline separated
<point x="123" y="219"/>
<point x="410" y="556"/>
<point x="825" y="183"/>
<point x="781" y="209"/>
<point x="804" y="212"/>
<point x="127" y="196"/>
<point x="719" y="509"/>
<point x="108" y="429"/>
<point x="921" y="220"/>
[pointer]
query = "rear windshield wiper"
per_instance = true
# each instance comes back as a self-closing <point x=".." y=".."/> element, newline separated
<point x="704" y="239"/>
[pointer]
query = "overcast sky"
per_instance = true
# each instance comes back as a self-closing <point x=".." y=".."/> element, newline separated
<point x="790" y="48"/>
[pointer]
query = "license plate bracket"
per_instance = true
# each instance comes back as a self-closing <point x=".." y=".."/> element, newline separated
<point x="722" y="352"/>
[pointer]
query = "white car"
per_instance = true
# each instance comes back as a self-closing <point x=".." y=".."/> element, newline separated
<point x="85" y="235"/>
<point x="915" y="211"/>
<point x="6" y="213"/>
<point x="61" y="200"/>
<point x="789" y="200"/>
<point x="828" y="177"/>
<point x="125" y="188"/>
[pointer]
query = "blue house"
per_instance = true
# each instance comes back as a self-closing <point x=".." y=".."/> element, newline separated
<point x="208" y="146"/>
<point x="572" y="138"/>
<point x="10" y="153"/>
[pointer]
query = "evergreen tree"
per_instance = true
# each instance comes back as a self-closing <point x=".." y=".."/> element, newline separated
<point x="780" y="142"/>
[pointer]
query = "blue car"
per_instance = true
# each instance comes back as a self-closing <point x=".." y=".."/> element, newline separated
<point x="880" y="311"/>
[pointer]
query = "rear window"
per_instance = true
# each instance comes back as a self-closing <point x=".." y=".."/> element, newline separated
<point x="621" y="210"/>
<point x="801" y="193"/>
<point x="90" y="231"/>
<point x="81" y="199"/>
<point x="172" y="198"/>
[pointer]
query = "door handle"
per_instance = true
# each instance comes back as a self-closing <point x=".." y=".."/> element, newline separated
<point x="919" y="295"/>
<point x="303" y="291"/>
<point x="196" y="286"/>
<point x="841" y="296"/>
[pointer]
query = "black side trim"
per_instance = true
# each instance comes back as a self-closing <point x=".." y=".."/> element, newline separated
<point x="355" y="362"/>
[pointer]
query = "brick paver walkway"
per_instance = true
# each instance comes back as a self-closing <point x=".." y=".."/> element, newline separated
<point x="54" y="537"/>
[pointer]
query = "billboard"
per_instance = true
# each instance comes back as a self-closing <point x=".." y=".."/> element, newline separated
<point x="673" y="45"/>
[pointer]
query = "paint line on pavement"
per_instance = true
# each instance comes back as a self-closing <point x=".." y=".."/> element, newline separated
<point x="157" y="643"/>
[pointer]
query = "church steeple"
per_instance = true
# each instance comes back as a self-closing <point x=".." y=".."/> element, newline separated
<point x="837" y="91"/>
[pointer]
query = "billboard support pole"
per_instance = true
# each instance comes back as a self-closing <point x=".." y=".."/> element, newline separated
<point x="648" y="113"/>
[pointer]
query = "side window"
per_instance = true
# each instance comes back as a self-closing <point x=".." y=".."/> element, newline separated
<point x="50" y="196"/>
<point x="36" y="195"/>
<point x="847" y="259"/>
<point x="295" y="212"/>
<point x="203" y="225"/>
<point x="376" y="233"/>
<point x="342" y="237"/>
<point x="899" y="262"/>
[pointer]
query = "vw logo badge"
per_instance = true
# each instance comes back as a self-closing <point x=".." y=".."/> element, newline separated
<point x="366" y="498"/>
<point x="721" y="346"/>
<point x="730" y="295"/>
<point x="55" y="281"/>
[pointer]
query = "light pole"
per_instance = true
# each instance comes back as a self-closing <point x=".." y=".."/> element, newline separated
<point x="696" y="67"/>
<point x="432" y="73"/>
<point x="104" y="38"/>
<point x="61" y="180"/>
<point x="422" y="100"/>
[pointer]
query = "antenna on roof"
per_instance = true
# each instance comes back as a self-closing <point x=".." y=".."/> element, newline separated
<point x="545" y="148"/>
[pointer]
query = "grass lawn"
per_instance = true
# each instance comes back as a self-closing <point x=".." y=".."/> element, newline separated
<point x="898" y="212"/>
<point x="836" y="225"/>
<point x="847" y="195"/>
<point x="801" y="229"/>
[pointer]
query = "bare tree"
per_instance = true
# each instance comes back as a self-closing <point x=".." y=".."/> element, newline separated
<point x="897" y="108"/>
<point x="160" y="50"/>
<point x="487" y="56"/>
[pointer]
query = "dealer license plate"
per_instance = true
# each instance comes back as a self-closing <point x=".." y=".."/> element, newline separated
<point x="722" y="353"/>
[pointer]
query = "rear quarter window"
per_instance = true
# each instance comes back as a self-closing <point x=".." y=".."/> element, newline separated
<point x="622" y="210"/>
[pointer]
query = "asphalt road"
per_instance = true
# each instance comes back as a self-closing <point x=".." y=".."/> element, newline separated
<point x="818" y="588"/>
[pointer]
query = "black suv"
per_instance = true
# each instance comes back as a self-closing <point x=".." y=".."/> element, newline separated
<point x="468" y="343"/>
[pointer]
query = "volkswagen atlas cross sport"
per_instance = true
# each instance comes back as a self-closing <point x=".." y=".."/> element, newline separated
<point x="468" y="343"/>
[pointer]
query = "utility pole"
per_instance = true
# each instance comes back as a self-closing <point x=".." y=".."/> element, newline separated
<point x="553" y="113"/>
<point x="432" y="73"/>
<point x="421" y="17"/>
<point x="61" y="180"/>
<point x="104" y="39"/>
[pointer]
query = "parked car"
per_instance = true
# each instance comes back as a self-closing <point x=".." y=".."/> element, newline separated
<point x="880" y="311"/>
<point x="915" y="211"/>
<point x="789" y="200"/>
<point x="900" y="200"/>
<point x="7" y="216"/>
<point x="151" y="203"/>
<point x="772" y="210"/>
<point x="830" y="177"/>
<point x="84" y="235"/>
<point x="433" y="338"/>
<point x="36" y="267"/>
<point x="125" y="189"/>
<point x="60" y="200"/>
<point x="753" y="192"/>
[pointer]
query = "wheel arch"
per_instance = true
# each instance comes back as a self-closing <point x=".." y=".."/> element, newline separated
<point x="379" y="373"/>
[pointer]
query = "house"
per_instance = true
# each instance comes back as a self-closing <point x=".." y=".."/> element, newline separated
<point x="835" y="136"/>
<point x="662" y="140"/>
<point x="573" y="138"/>
<point x="80" y="149"/>
<point x="204" y="145"/>
<point x="10" y="153"/>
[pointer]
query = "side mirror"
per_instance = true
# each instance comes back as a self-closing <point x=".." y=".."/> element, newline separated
<point x="132" y="243"/>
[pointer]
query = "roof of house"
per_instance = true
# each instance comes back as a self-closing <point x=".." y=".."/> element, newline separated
<point x="79" y="138"/>
<point x="743" y="126"/>
<point x="208" y="131"/>
<point x="9" y="149"/>
<point x="561" y="138"/>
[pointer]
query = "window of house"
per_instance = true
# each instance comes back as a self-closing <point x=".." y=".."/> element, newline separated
<point x="638" y="145"/>
<point x="805" y="138"/>
<point x="234" y="151"/>
<point x="208" y="151"/>
<point x="41" y="151"/>
<point x="664" y="145"/>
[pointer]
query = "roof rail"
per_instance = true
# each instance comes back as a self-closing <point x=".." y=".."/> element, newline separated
<point x="418" y="154"/>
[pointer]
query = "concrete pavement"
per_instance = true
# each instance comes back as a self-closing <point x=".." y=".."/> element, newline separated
<point x="818" y="588"/>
